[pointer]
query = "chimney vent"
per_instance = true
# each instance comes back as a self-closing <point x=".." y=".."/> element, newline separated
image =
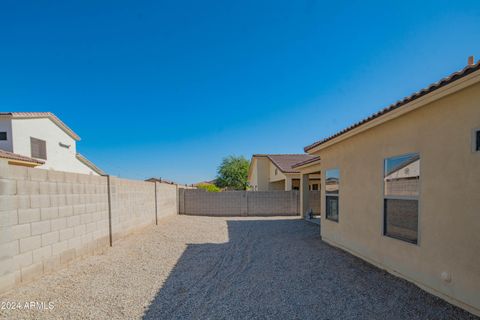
<point x="471" y="60"/>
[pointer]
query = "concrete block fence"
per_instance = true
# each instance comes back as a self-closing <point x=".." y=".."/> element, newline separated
<point x="239" y="203"/>
<point x="50" y="218"/>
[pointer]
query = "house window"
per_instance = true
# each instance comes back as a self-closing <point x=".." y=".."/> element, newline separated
<point x="332" y="181"/>
<point x="477" y="140"/>
<point x="38" y="148"/>
<point x="401" y="192"/>
<point x="3" y="135"/>
<point x="315" y="187"/>
<point x="276" y="171"/>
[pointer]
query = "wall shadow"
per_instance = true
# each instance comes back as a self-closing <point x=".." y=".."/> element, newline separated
<point x="280" y="269"/>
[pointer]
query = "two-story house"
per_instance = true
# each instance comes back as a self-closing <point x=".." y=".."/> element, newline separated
<point x="43" y="140"/>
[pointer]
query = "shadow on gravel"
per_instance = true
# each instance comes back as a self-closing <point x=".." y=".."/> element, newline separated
<point x="280" y="269"/>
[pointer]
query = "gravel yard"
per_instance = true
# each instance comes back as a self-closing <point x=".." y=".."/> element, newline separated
<point x="224" y="268"/>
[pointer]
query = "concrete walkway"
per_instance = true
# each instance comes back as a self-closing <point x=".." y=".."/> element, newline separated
<point x="228" y="268"/>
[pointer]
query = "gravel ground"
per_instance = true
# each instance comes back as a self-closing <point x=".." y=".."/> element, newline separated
<point x="227" y="268"/>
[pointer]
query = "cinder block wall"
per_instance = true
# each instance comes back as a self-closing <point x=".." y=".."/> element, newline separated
<point x="200" y="202"/>
<point x="273" y="203"/>
<point x="167" y="199"/>
<point x="50" y="218"/>
<point x="239" y="203"/>
<point x="133" y="205"/>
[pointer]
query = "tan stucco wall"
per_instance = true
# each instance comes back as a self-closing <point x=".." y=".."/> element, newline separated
<point x="279" y="174"/>
<point x="449" y="202"/>
<point x="259" y="177"/>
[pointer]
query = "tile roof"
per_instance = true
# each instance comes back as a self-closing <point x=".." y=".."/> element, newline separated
<point x="153" y="179"/>
<point x="36" y="115"/>
<point x="285" y="162"/>
<point x="13" y="156"/>
<point x="302" y="163"/>
<point x="434" y="86"/>
<point x="89" y="164"/>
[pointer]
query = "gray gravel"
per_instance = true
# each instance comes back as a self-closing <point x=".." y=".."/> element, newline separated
<point x="227" y="268"/>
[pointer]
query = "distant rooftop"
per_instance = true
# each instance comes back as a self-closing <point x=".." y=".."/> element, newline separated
<point x="40" y="115"/>
<point x="286" y="162"/>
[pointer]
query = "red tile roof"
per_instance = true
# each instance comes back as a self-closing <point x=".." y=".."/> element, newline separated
<point x="285" y="162"/>
<point x="13" y="156"/>
<point x="36" y="115"/>
<point x="434" y="86"/>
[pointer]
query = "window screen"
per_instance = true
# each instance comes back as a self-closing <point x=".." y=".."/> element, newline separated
<point x="38" y="148"/>
<point x="401" y="188"/>
<point x="3" y="135"/>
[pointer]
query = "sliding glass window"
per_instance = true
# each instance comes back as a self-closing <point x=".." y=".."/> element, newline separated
<point x="401" y="193"/>
<point x="332" y="183"/>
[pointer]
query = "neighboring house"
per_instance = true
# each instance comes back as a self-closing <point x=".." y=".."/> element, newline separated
<point x="182" y="186"/>
<point x="19" y="160"/>
<point x="401" y="188"/>
<point x="269" y="172"/>
<point x="44" y="138"/>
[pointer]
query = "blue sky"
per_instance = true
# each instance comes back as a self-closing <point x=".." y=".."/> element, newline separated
<point x="168" y="88"/>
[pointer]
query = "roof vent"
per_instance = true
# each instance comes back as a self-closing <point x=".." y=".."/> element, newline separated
<point x="471" y="60"/>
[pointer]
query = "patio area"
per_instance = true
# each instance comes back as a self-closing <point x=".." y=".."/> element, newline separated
<point x="227" y="268"/>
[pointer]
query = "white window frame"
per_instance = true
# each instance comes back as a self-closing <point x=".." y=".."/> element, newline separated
<point x="337" y="195"/>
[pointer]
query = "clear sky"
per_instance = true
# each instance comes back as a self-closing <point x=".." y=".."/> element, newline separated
<point x="168" y="88"/>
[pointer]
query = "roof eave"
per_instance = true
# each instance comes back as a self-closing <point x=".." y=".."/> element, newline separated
<point x="48" y="115"/>
<point x="430" y="97"/>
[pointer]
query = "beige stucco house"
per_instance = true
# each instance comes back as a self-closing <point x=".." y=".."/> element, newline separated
<point x="270" y="172"/>
<point x="401" y="188"/>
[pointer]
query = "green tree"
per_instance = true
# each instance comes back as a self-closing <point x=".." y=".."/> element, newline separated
<point x="233" y="173"/>
<point x="208" y="187"/>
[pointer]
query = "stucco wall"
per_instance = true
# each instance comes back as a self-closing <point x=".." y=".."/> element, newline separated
<point x="259" y="178"/>
<point x="58" y="158"/>
<point x="51" y="218"/>
<point x="167" y="199"/>
<point x="275" y="173"/>
<point x="239" y="203"/>
<point x="449" y="201"/>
